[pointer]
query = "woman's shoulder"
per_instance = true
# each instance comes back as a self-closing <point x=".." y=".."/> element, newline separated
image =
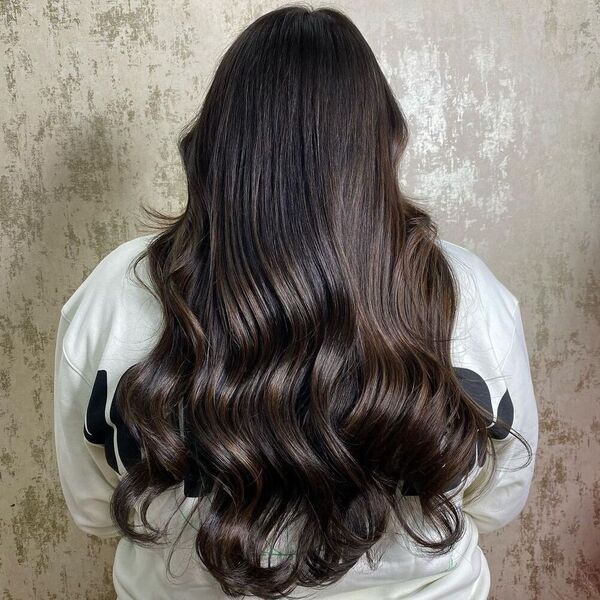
<point x="487" y="308"/>
<point x="478" y="283"/>
<point x="108" y="277"/>
<point x="111" y="312"/>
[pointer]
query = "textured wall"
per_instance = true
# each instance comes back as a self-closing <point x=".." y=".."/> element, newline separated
<point x="503" y="102"/>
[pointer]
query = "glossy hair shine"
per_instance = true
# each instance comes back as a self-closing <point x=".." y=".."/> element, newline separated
<point x="308" y="316"/>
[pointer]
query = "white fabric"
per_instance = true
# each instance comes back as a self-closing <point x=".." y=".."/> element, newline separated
<point x="111" y="321"/>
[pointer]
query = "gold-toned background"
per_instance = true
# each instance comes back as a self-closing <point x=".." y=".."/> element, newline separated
<point x="503" y="99"/>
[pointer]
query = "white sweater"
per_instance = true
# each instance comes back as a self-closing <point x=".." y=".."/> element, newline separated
<point x="111" y="321"/>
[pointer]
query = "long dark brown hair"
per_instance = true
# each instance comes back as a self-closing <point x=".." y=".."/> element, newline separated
<point x="308" y="315"/>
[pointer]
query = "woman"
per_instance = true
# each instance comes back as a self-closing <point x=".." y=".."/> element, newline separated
<point x="295" y="387"/>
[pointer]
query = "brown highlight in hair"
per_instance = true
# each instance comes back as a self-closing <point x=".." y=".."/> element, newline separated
<point x="308" y="319"/>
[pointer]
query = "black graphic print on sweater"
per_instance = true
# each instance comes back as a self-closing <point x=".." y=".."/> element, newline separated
<point x="98" y="430"/>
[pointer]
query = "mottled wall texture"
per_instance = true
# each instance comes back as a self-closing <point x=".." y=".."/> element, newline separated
<point x="503" y="99"/>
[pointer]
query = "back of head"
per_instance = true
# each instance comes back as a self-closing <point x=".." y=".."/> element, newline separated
<point x="309" y="313"/>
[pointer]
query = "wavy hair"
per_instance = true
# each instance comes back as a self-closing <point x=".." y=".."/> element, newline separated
<point x="308" y="314"/>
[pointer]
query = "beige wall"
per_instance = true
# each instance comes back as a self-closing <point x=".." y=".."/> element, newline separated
<point x="503" y="99"/>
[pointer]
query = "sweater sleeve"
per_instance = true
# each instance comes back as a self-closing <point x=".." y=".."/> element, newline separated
<point x="502" y="498"/>
<point x="87" y="481"/>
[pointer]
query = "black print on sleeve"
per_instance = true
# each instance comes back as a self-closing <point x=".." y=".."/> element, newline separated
<point x="97" y="430"/>
<point x="477" y="389"/>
